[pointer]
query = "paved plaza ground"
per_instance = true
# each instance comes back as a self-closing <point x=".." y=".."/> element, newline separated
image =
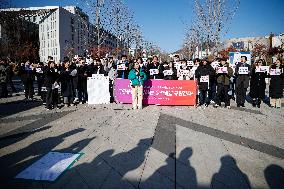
<point x="157" y="147"/>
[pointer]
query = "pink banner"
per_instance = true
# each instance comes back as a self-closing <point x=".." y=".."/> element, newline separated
<point x="159" y="92"/>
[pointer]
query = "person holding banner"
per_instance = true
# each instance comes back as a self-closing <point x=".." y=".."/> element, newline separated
<point x="242" y="81"/>
<point x="137" y="78"/>
<point x="276" y="84"/>
<point x="257" y="83"/>
<point x="66" y="80"/>
<point x="170" y="73"/>
<point x="51" y="84"/>
<point x="27" y="72"/>
<point x="155" y="69"/>
<point x="122" y="67"/>
<point x="203" y="74"/>
<point x="82" y="82"/>
<point x="224" y="73"/>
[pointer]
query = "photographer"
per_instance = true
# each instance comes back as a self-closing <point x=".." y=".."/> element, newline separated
<point x="137" y="78"/>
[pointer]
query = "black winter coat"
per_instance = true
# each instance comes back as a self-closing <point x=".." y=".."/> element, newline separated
<point x="157" y="66"/>
<point x="50" y="77"/>
<point x="204" y="70"/>
<point x="242" y="79"/>
<point x="66" y="84"/>
<point x="82" y="76"/>
<point x="257" y="84"/>
<point x="276" y="84"/>
<point x="26" y="74"/>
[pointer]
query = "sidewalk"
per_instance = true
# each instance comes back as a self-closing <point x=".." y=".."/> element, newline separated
<point x="158" y="147"/>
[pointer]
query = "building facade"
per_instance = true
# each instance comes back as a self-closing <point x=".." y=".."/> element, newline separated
<point x="62" y="31"/>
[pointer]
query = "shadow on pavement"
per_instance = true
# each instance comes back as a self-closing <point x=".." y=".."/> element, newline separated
<point x="17" y="161"/>
<point x="10" y="108"/>
<point x="274" y="175"/>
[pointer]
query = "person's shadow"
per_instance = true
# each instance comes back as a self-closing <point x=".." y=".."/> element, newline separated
<point x="175" y="174"/>
<point x="108" y="170"/>
<point x="229" y="175"/>
<point x="274" y="175"/>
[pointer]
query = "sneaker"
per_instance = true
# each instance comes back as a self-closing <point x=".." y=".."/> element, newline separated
<point x="212" y="101"/>
<point x="206" y="105"/>
<point x="228" y="107"/>
<point x="72" y="105"/>
<point x="216" y="105"/>
<point x="243" y="105"/>
<point x="66" y="105"/>
<point x="80" y="102"/>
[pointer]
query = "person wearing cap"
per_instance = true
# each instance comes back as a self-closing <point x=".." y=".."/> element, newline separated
<point x="242" y="82"/>
<point x="137" y="78"/>
<point x="204" y="70"/>
<point x="223" y="83"/>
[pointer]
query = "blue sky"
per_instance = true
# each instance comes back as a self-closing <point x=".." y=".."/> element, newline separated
<point x="164" y="21"/>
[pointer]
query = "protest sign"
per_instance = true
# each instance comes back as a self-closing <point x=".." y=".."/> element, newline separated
<point x="121" y="67"/>
<point x="49" y="167"/>
<point x="39" y="70"/>
<point x="243" y="70"/>
<point x="190" y="63"/>
<point x="204" y="79"/>
<point x="262" y="69"/>
<point x="168" y="72"/>
<point x="98" y="89"/>
<point x="275" y="71"/>
<point x="184" y="72"/>
<point x="222" y="70"/>
<point x="161" y="92"/>
<point x="215" y="64"/>
<point x="154" y="71"/>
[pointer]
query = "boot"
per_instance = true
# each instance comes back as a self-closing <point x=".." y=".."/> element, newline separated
<point x="258" y="103"/>
<point x="254" y="102"/>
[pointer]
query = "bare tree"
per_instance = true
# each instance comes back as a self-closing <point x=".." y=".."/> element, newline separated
<point x="212" y="18"/>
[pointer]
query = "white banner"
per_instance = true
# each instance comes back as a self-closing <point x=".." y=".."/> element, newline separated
<point x="190" y="63"/>
<point x="49" y="167"/>
<point x="184" y="72"/>
<point x="222" y="70"/>
<point x="215" y="64"/>
<point x="121" y="67"/>
<point x="154" y="71"/>
<point x="204" y="79"/>
<point x="243" y="70"/>
<point x="168" y="72"/>
<point x="262" y="69"/>
<point x="98" y="89"/>
<point x="275" y="71"/>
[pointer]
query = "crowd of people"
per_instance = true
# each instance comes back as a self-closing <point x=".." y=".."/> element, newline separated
<point x="218" y="81"/>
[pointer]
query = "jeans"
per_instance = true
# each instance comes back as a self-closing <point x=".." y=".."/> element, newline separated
<point x="203" y="97"/>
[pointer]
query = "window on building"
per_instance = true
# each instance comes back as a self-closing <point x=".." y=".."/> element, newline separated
<point x="47" y="35"/>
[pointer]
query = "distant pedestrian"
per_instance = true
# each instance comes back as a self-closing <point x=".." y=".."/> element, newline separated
<point x="137" y="78"/>
<point x="66" y="80"/>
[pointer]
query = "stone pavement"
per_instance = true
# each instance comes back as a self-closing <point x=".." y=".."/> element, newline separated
<point x="157" y="147"/>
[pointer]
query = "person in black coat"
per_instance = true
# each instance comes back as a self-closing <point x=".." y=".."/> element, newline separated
<point x="51" y="84"/>
<point x="156" y="65"/>
<point x="276" y="85"/>
<point x="123" y="74"/>
<point x="242" y="82"/>
<point x="82" y="82"/>
<point x="66" y="80"/>
<point x="27" y="73"/>
<point x="257" y="84"/>
<point x="39" y="77"/>
<point x="203" y="70"/>
<point x="169" y="66"/>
